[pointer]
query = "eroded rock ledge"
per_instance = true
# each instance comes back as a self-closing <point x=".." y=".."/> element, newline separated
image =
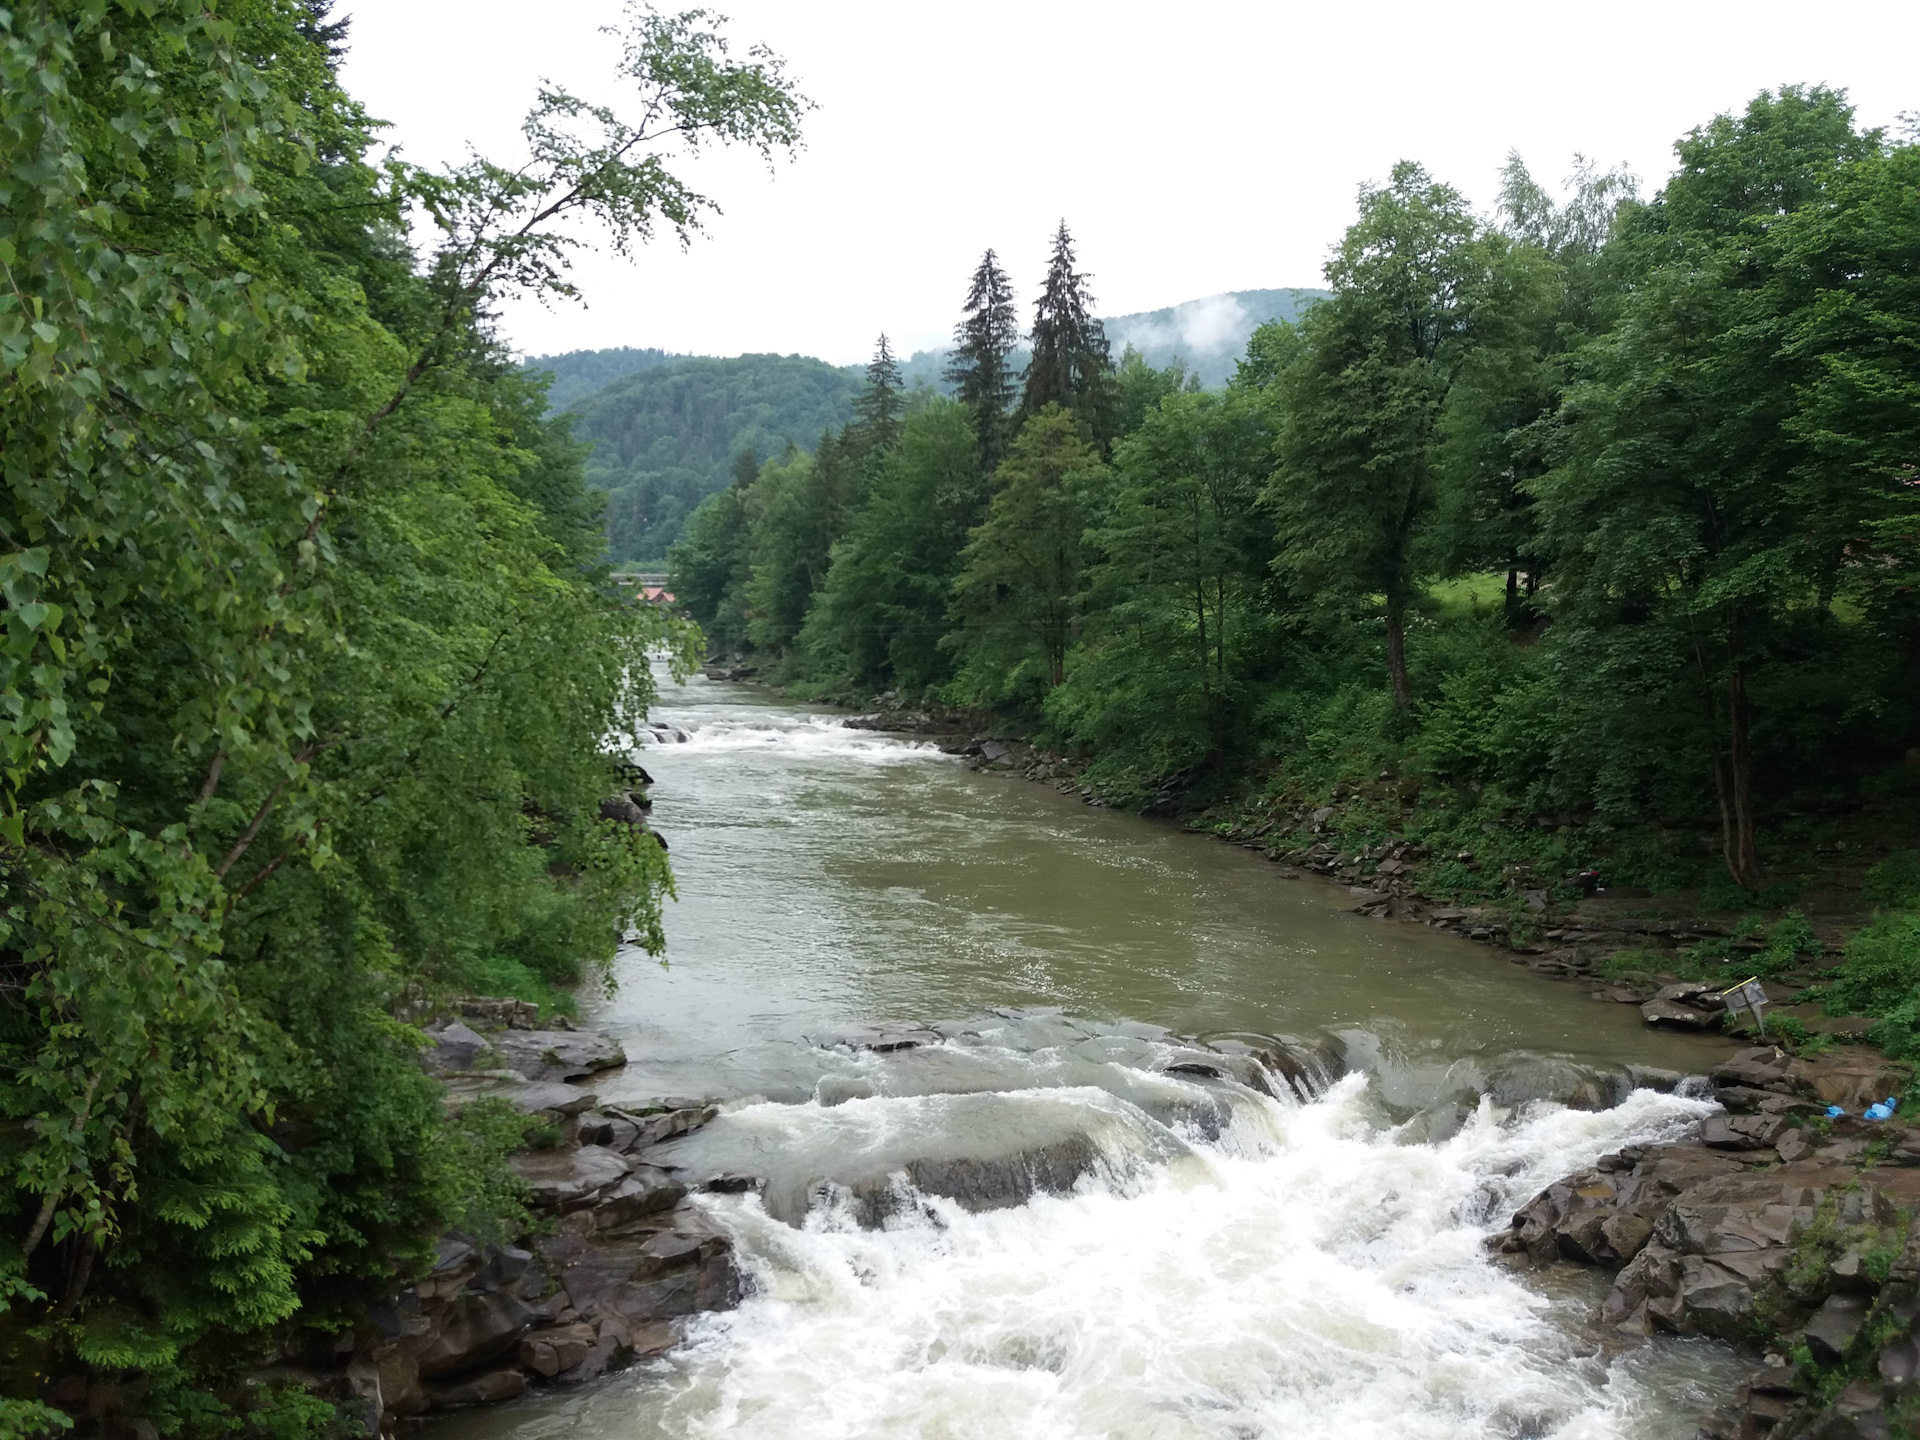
<point x="1774" y="1227"/>
<point x="616" y="1256"/>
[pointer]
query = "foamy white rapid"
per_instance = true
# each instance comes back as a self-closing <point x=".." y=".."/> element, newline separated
<point x="1229" y="1266"/>
<point x="1307" y="1276"/>
<point x="799" y="736"/>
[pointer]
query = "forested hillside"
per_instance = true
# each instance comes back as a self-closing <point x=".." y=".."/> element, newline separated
<point x="1582" y="533"/>
<point x="664" y="438"/>
<point x="307" y="666"/>
<point x="578" y="373"/>
<point x="666" y="430"/>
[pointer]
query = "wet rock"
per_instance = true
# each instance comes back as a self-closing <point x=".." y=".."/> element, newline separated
<point x="1688" y="1005"/>
<point x="833" y="1090"/>
<point x="1242" y="1069"/>
<point x="1742" y="1132"/>
<point x="544" y="1055"/>
<point x="550" y="1098"/>
<point x="646" y="1190"/>
<point x="625" y="808"/>
<point x="600" y="1270"/>
<point x="613" y="1131"/>
<point x="455" y="1049"/>
<point x="469" y="1331"/>
<point x="488" y="1389"/>
<point x="891" y="1040"/>
<point x="1833" y="1327"/>
<point x="977" y="1182"/>
<point x="561" y="1180"/>
<point x="1518" y="1079"/>
<point x="556" y="1349"/>
<point x="1308" y="1065"/>
<point x="665" y="1124"/>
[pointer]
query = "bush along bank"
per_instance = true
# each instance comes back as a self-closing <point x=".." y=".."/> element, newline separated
<point x="588" y="1256"/>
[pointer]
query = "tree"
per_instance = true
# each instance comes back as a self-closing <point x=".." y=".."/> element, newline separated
<point x="1177" y="615"/>
<point x="710" y="566"/>
<point x="876" y="409"/>
<point x="1689" y="507"/>
<point x="880" y="617"/>
<point x="1020" y="573"/>
<point x="1501" y="421"/>
<point x="294" y="572"/>
<point x="979" y="368"/>
<point x="1071" y="364"/>
<point x="1416" y="284"/>
<point x="1138" y="387"/>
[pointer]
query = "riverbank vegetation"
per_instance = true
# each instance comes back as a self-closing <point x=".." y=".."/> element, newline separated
<point x="1582" y="537"/>
<point x="307" y="661"/>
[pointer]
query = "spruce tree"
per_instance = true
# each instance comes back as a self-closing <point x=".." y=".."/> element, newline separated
<point x="979" y="371"/>
<point x="1071" y="364"/>
<point x="877" y="408"/>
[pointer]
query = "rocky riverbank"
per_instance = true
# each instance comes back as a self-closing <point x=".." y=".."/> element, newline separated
<point x="1780" y="1229"/>
<point x="616" y="1254"/>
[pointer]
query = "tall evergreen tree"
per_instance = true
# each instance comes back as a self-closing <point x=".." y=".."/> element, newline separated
<point x="979" y="371"/>
<point x="1071" y="365"/>
<point x="877" y="408"/>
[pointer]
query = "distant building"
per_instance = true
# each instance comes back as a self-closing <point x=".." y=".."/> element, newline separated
<point x="650" y="589"/>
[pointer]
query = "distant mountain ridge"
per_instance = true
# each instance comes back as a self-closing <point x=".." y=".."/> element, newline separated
<point x="665" y="427"/>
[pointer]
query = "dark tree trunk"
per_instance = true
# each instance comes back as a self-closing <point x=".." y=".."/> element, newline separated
<point x="1397" y="657"/>
<point x="1742" y="858"/>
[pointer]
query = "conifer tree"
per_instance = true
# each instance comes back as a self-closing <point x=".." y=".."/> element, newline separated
<point x="1071" y="364"/>
<point x="979" y="370"/>
<point x="877" y="408"/>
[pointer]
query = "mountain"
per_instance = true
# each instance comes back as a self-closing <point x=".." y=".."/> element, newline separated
<point x="665" y="427"/>
<point x="664" y="436"/>
<point x="1208" y="335"/>
<point x="578" y="373"/>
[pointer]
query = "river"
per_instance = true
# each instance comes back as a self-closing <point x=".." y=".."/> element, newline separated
<point x="1233" y="1267"/>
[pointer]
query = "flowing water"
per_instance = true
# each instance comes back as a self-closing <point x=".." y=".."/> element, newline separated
<point x="1227" y="1263"/>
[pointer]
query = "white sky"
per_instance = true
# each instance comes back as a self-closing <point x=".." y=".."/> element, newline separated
<point x="1192" y="148"/>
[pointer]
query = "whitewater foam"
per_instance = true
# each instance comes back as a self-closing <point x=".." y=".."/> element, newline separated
<point x="1308" y="1278"/>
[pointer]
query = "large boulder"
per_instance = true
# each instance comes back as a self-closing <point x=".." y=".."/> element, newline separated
<point x="1689" y="1005"/>
<point x="1520" y="1078"/>
<point x="471" y="1330"/>
<point x="454" y="1050"/>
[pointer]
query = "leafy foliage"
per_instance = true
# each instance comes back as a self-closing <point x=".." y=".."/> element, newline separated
<point x="665" y="438"/>
<point x="307" y="659"/>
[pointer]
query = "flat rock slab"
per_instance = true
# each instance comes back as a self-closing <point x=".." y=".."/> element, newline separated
<point x="557" y="1054"/>
<point x="562" y="1179"/>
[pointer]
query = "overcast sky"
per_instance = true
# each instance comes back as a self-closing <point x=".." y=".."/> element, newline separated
<point x="1192" y="147"/>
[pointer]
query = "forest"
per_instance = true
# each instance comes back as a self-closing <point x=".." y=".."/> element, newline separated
<point x="665" y="437"/>
<point x="308" y="662"/>
<point x="1590" y="527"/>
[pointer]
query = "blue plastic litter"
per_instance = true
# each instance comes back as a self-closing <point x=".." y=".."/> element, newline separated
<point x="1835" y="1112"/>
<point x="1883" y="1110"/>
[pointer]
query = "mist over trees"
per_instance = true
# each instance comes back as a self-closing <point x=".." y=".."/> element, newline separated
<point x="1587" y="513"/>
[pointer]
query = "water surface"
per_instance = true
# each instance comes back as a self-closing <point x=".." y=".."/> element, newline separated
<point x="1235" y="1266"/>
